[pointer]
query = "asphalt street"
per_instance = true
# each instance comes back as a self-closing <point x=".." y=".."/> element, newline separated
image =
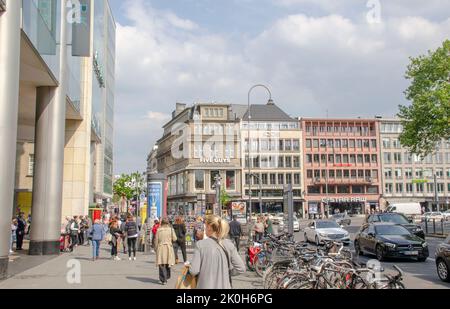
<point x="417" y="275"/>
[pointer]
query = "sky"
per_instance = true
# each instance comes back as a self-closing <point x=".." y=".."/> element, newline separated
<point x="346" y="58"/>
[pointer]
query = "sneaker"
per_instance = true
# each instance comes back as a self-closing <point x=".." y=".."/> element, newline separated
<point x="129" y="259"/>
<point x="134" y="259"/>
<point x="118" y="258"/>
<point x="11" y="252"/>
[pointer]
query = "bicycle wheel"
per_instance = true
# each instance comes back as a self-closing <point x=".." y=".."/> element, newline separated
<point x="299" y="282"/>
<point x="261" y="264"/>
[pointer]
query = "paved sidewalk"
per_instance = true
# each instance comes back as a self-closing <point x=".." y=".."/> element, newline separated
<point x="105" y="273"/>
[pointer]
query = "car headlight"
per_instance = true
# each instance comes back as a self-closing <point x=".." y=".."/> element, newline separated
<point x="424" y="245"/>
<point x="391" y="246"/>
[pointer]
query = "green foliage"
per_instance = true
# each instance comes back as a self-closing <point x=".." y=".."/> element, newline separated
<point x="224" y="197"/>
<point x="121" y="189"/>
<point x="427" y="121"/>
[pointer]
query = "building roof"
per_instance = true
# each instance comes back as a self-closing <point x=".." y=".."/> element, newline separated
<point x="269" y="112"/>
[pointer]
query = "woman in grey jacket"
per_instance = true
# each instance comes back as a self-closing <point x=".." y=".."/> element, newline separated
<point x="216" y="258"/>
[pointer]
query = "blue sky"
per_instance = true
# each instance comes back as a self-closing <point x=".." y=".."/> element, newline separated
<point x="316" y="56"/>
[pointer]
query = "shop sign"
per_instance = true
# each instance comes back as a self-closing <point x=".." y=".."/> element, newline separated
<point x="345" y="200"/>
<point x="239" y="209"/>
<point x="215" y="160"/>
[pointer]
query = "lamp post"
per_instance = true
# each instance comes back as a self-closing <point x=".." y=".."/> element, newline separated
<point x="249" y="145"/>
<point x="217" y="186"/>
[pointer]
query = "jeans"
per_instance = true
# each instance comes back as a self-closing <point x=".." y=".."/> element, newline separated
<point x="73" y="240"/>
<point x="19" y="239"/>
<point x="182" y="245"/>
<point x="81" y="238"/>
<point x="237" y="241"/>
<point x="11" y="243"/>
<point x="258" y="236"/>
<point x="113" y="249"/>
<point x="131" y="246"/>
<point x="95" y="248"/>
<point x="164" y="273"/>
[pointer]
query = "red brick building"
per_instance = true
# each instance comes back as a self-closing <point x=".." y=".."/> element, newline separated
<point x="341" y="164"/>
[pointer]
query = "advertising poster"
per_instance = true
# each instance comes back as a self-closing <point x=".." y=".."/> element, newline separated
<point x="155" y="199"/>
<point x="239" y="209"/>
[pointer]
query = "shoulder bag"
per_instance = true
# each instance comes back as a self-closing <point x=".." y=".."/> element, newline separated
<point x="228" y="260"/>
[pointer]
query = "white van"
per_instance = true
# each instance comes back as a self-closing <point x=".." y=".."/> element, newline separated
<point x="408" y="209"/>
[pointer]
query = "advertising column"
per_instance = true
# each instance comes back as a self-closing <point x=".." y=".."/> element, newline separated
<point x="156" y="199"/>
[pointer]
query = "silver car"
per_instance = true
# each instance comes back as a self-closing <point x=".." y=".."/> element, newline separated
<point x="320" y="231"/>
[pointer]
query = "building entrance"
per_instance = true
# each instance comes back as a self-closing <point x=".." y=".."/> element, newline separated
<point x="350" y="208"/>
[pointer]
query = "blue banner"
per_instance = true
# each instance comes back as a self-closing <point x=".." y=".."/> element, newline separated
<point x="155" y="200"/>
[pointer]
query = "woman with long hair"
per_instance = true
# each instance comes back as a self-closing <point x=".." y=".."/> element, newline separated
<point x="216" y="259"/>
<point x="180" y="232"/>
<point x="165" y="256"/>
<point x="116" y="233"/>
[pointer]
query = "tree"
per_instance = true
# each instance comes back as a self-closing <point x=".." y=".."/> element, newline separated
<point x="121" y="189"/>
<point x="224" y="197"/>
<point x="427" y="121"/>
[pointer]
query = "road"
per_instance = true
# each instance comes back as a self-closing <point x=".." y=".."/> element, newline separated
<point x="417" y="275"/>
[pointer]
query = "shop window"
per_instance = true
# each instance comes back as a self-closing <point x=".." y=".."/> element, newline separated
<point x="199" y="180"/>
<point x="343" y="189"/>
<point x="231" y="180"/>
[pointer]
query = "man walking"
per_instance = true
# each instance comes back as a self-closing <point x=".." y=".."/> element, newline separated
<point x="235" y="231"/>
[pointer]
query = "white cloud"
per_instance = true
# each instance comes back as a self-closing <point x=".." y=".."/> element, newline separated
<point x="312" y="64"/>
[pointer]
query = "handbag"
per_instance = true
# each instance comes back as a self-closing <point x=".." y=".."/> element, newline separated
<point x="186" y="281"/>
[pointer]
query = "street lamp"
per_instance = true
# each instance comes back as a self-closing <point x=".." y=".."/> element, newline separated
<point x="249" y="144"/>
<point x="260" y="192"/>
<point x="217" y="186"/>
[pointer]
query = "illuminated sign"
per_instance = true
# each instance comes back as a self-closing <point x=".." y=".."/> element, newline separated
<point x="215" y="160"/>
<point x="345" y="200"/>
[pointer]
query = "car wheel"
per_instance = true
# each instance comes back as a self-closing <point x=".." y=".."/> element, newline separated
<point x="422" y="259"/>
<point x="379" y="253"/>
<point x="443" y="271"/>
<point x="317" y="241"/>
<point x="358" y="249"/>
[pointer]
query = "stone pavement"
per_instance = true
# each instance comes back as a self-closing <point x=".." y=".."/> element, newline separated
<point x="104" y="273"/>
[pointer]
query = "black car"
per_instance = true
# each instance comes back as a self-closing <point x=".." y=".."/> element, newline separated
<point x="341" y="219"/>
<point x="397" y="219"/>
<point x="443" y="260"/>
<point x="388" y="240"/>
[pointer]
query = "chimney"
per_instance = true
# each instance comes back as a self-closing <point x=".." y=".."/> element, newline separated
<point x="180" y="107"/>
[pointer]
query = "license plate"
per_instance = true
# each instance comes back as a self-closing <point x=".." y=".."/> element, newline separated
<point x="411" y="253"/>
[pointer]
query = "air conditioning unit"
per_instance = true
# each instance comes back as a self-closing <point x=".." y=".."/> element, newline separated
<point x="2" y="6"/>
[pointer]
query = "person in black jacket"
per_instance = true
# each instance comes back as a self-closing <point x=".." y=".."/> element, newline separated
<point x="235" y="232"/>
<point x="20" y="232"/>
<point x="180" y="231"/>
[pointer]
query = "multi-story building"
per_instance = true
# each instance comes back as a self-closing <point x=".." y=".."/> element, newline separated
<point x="200" y="143"/>
<point x="275" y="158"/>
<point x="342" y="165"/>
<point x="46" y="112"/>
<point x="410" y="178"/>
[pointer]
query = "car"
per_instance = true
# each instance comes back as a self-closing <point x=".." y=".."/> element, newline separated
<point x="443" y="260"/>
<point x="446" y="215"/>
<point x="408" y="209"/>
<point x="341" y="219"/>
<point x="320" y="231"/>
<point x="397" y="219"/>
<point x="278" y="218"/>
<point x="430" y="216"/>
<point x="390" y="240"/>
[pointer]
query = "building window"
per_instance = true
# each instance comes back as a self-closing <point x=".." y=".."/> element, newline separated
<point x="288" y="162"/>
<point x="314" y="189"/>
<point x="344" y="189"/>
<point x="273" y="180"/>
<point x="281" y="162"/>
<point x="419" y="173"/>
<point x="309" y="158"/>
<point x="296" y="179"/>
<point x="247" y="179"/>
<point x="31" y="165"/>
<point x="430" y="187"/>
<point x="419" y="187"/>
<point x="231" y="180"/>
<point x="281" y="179"/>
<point x="359" y="158"/>
<point x="296" y="144"/>
<point x="387" y="158"/>
<point x="388" y="188"/>
<point x="358" y="190"/>
<point x="264" y="179"/>
<point x="440" y="188"/>
<point x="288" y="179"/>
<point x="213" y="175"/>
<point x="373" y="144"/>
<point x="399" y="187"/>
<point x="199" y="180"/>
<point x="372" y="190"/>
<point x="398" y="173"/>
<point x="388" y="173"/>
<point x="409" y="188"/>
<point x="398" y="158"/>
<point x="440" y="173"/>
<point x="408" y="173"/>
<point x="256" y="162"/>
<point x="229" y="151"/>
<point x="386" y="143"/>
<point x="296" y="162"/>
<point x="308" y="144"/>
<point x="288" y="145"/>
<point x="309" y="174"/>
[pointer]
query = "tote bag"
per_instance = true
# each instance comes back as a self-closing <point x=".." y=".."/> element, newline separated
<point x="186" y="281"/>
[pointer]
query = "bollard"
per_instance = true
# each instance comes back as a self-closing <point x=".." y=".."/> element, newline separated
<point x="442" y="226"/>
<point x="434" y="226"/>
<point x="426" y="226"/>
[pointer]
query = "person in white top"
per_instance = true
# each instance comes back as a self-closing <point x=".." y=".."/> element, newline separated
<point x="13" y="235"/>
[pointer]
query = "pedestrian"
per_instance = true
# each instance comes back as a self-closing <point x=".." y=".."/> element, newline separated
<point x="165" y="255"/>
<point x="180" y="231"/>
<point x="236" y="232"/>
<point x="215" y="258"/>
<point x="14" y="224"/>
<point x="132" y="232"/>
<point x="74" y="233"/>
<point x="155" y="228"/>
<point x="20" y="231"/>
<point x="116" y="234"/>
<point x="268" y="226"/>
<point x="124" y="235"/>
<point x="97" y="233"/>
<point x="259" y="229"/>
<point x="147" y="232"/>
<point x="83" y="229"/>
<point x="199" y="229"/>
<point x="28" y="225"/>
